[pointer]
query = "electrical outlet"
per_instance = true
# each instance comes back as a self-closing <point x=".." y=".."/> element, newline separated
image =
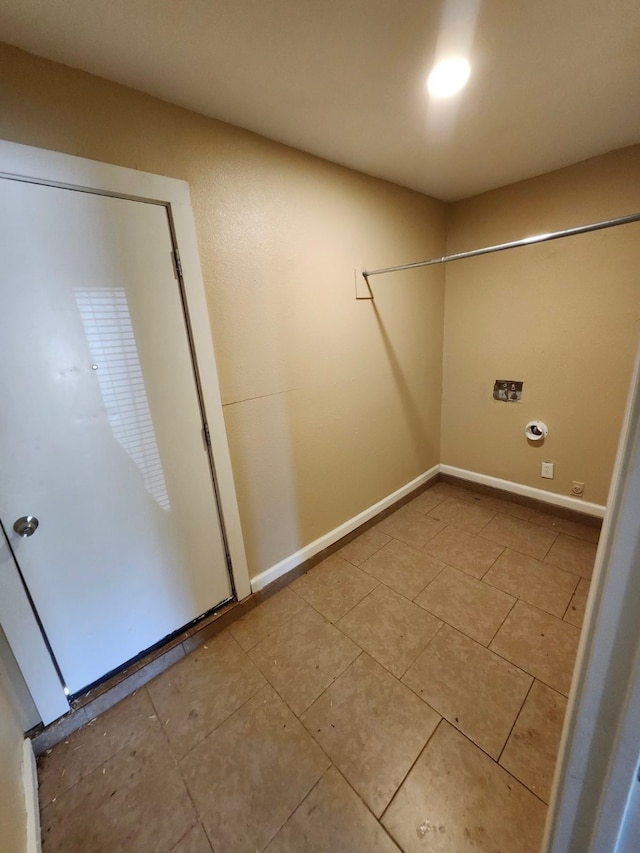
<point x="547" y="470"/>
<point x="577" y="489"/>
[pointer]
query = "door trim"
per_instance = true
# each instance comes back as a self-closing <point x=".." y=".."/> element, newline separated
<point x="38" y="165"/>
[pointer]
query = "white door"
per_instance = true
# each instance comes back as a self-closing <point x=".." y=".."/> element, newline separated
<point x="101" y="429"/>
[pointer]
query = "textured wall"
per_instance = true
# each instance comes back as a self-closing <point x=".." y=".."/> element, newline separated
<point x="562" y="316"/>
<point x="330" y="404"/>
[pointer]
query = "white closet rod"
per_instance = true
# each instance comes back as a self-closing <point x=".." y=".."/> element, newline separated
<point x="526" y="241"/>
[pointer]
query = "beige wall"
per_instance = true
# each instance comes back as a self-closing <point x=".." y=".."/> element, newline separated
<point x="330" y="404"/>
<point x="13" y="816"/>
<point x="561" y="316"/>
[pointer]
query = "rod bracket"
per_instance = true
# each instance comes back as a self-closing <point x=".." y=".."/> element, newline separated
<point x="363" y="289"/>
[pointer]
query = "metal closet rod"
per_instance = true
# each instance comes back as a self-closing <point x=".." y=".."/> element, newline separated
<point x="514" y="244"/>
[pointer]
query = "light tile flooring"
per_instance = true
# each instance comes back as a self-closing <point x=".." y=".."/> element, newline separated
<point x="405" y="694"/>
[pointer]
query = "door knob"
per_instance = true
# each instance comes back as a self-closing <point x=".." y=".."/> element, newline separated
<point x="26" y="526"/>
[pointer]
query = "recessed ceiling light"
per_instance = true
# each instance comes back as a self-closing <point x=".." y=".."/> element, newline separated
<point x="448" y="77"/>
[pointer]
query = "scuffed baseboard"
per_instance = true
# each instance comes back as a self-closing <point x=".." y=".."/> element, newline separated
<point x="566" y="501"/>
<point x="289" y="563"/>
<point x="30" y="787"/>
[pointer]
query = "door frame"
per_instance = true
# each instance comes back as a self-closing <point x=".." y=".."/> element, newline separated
<point x="38" y="165"/>
<point x="596" y="780"/>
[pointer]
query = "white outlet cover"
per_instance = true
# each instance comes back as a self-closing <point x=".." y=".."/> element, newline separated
<point x="547" y="470"/>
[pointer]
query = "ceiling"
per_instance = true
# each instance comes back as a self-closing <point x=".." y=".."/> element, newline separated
<point x="553" y="81"/>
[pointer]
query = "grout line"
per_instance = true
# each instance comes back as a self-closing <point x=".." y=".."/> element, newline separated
<point x="515" y="720"/>
<point x="428" y="584"/>
<point x="320" y="695"/>
<point x="547" y="552"/>
<point x="176" y="763"/>
<point x="526" y="601"/>
<point x="373" y="553"/>
<point x="421" y="652"/>
<point x="191" y="828"/>
<point x="530" y="674"/>
<point x="86" y="725"/>
<point x="413" y="764"/>
<point x="566" y="610"/>
<point x="504" y="769"/>
<point x="206" y="835"/>
<point x="306" y="796"/>
<point x="222" y="722"/>
<point x="377" y="819"/>
<point x="279" y="626"/>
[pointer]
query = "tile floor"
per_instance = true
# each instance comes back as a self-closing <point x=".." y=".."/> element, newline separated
<point x="407" y="693"/>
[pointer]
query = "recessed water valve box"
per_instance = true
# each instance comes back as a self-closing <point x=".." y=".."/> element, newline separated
<point x="507" y="390"/>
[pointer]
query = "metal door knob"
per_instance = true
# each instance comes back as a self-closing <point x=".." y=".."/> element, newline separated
<point x="26" y="526"/>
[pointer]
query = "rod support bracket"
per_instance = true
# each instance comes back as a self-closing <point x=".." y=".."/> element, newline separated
<point x="363" y="289"/>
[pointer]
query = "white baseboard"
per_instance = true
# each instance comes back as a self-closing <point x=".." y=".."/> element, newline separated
<point x="30" y="787"/>
<point x="292" y="562"/>
<point x="295" y="560"/>
<point x="566" y="501"/>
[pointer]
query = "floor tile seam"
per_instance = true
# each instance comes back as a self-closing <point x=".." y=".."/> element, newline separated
<point x="91" y="722"/>
<point x="490" y="757"/>
<point x="517" y="717"/>
<point x="237" y="642"/>
<point x="523" y="553"/>
<point x="200" y="740"/>
<point x="502" y="657"/>
<point x="419" y="549"/>
<point x="344" y="778"/>
<point x="320" y="695"/>
<point x="569" y="622"/>
<point x="533" y="675"/>
<point x="564" y="615"/>
<point x="311" y="734"/>
<point x="522" y="784"/>
<point x="373" y="553"/>
<point x="388" y="586"/>
<point x="422" y="650"/>
<point x="343" y="632"/>
<point x="540" y="610"/>
<point x="568" y="571"/>
<point x="504" y="548"/>
<point x="353" y="607"/>
<point x="475" y="535"/>
<point x="426" y="512"/>
<point x="566" y="610"/>
<point x="461" y="630"/>
<point x="280" y="625"/>
<point x="182" y="837"/>
<point x="564" y="533"/>
<point x="384" y="666"/>
<point x="404" y="675"/>
<point x="283" y="626"/>
<point x="545" y="564"/>
<point x="429" y="582"/>
<point x="555" y="539"/>
<point x="306" y="797"/>
<point x="404" y="778"/>
<point x="333" y="680"/>
<point x="495" y="514"/>
<point x="458" y="527"/>
<point x="176" y="764"/>
<point x="451" y="566"/>
<point x="310" y="604"/>
<point x="521" y="598"/>
<point x="456" y="726"/>
<point x="477" y="642"/>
